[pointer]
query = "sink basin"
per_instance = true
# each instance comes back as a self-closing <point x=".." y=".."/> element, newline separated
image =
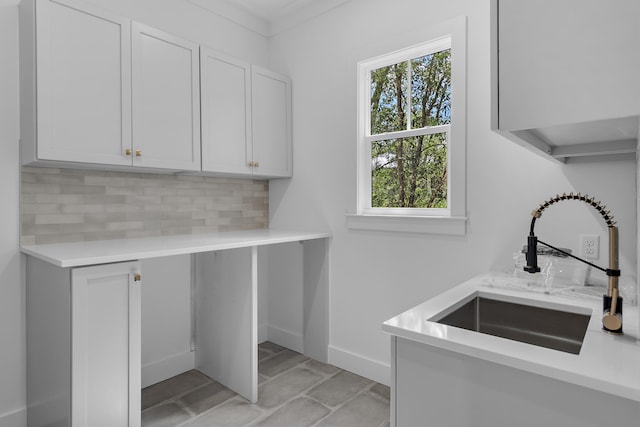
<point x="552" y="328"/>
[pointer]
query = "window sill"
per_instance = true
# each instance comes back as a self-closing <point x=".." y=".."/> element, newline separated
<point x="443" y="225"/>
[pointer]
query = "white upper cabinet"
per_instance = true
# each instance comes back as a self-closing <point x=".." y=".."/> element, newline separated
<point x="271" y="123"/>
<point x="226" y="113"/>
<point x="76" y="107"/>
<point x="102" y="91"/>
<point x="166" y="100"/>
<point x="246" y="118"/>
<point x="94" y="95"/>
<point x="565" y="77"/>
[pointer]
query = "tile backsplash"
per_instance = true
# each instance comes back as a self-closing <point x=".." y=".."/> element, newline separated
<point x="67" y="205"/>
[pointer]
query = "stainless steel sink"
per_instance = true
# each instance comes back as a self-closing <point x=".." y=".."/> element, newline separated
<point x="545" y="327"/>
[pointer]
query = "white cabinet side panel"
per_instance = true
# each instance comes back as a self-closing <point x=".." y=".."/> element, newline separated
<point x="226" y="312"/>
<point x="48" y="299"/>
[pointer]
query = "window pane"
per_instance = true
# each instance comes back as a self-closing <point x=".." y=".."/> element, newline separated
<point x="431" y="90"/>
<point x="409" y="172"/>
<point x="389" y="99"/>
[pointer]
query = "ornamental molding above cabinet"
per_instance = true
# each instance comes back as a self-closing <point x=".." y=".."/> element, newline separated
<point x="102" y="91"/>
<point x="566" y="88"/>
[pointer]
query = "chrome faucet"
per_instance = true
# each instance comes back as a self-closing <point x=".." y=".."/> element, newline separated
<point x="611" y="301"/>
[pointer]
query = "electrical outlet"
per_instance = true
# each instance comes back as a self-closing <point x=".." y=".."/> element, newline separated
<point x="590" y="246"/>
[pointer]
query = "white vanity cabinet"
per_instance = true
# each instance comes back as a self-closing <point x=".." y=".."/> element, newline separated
<point x="565" y="75"/>
<point x="83" y="328"/>
<point x="99" y="89"/>
<point x="75" y="64"/>
<point x="246" y="118"/>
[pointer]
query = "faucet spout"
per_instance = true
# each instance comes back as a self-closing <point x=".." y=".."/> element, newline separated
<point x="611" y="301"/>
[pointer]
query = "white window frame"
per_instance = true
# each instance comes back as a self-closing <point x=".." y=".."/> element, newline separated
<point x="450" y="220"/>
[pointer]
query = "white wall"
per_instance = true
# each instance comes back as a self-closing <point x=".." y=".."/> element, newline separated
<point x="12" y="349"/>
<point x="376" y="275"/>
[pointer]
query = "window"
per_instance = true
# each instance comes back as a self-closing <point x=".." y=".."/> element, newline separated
<point x="411" y="137"/>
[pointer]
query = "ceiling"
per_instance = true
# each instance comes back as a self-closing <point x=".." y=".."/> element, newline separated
<point x="268" y="17"/>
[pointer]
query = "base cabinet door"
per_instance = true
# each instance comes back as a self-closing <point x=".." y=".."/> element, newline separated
<point x="105" y="346"/>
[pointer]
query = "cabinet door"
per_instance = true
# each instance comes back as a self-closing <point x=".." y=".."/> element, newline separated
<point x="105" y="345"/>
<point x="166" y="100"/>
<point x="226" y="113"/>
<point x="271" y="123"/>
<point x="83" y="84"/>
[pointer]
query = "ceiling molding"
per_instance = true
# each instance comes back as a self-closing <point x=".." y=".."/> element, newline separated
<point x="268" y="18"/>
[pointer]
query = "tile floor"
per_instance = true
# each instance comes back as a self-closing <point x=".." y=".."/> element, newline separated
<point x="294" y="391"/>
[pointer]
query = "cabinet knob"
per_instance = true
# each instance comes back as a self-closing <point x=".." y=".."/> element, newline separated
<point x="251" y="164"/>
<point x="256" y="164"/>
<point x="137" y="277"/>
<point x="138" y="153"/>
<point x="127" y="151"/>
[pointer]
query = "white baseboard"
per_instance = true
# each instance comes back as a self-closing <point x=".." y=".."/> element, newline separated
<point x="361" y="365"/>
<point x="17" y="418"/>
<point x="287" y="339"/>
<point x="168" y="367"/>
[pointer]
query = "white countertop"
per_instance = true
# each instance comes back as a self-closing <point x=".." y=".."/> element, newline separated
<point x="107" y="251"/>
<point x="606" y="362"/>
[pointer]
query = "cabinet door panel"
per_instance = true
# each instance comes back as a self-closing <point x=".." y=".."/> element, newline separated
<point x="166" y="101"/>
<point x="83" y="84"/>
<point x="105" y="346"/>
<point x="226" y="113"/>
<point x="271" y="129"/>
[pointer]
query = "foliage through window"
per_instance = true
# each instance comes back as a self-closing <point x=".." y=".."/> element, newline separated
<point x="410" y="171"/>
<point x="411" y="135"/>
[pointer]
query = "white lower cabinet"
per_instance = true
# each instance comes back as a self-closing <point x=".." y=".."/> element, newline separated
<point x="437" y="387"/>
<point x="83" y="349"/>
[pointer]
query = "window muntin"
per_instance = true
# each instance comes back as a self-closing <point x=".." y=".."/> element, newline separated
<point x="407" y="133"/>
